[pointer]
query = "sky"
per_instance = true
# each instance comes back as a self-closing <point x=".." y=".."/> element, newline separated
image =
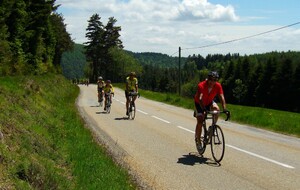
<point x="196" y="26"/>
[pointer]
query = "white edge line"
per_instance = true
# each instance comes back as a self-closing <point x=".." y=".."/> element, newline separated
<point x="261" y="157"/>
<point x="186" y="129"/>
<point x="250" y="153"/>
<point x="160" y="119"/>
<point x="142" y="112"/>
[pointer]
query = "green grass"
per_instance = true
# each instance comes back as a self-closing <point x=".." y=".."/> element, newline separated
<point x="45" y="144"/>
<point x="273" y="120"/>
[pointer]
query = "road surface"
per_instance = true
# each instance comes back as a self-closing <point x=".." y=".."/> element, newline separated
<point x="158" y="146"/>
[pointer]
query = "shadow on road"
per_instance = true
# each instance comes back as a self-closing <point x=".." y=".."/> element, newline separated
<point x="121" y="118"/>
<point x="194" y="158"/>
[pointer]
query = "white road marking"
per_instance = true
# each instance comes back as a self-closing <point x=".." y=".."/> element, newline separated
<point x="261" y="157"/>
<point x="142" y="112"/>
<point x="160" y="119"/>
<point x="250" y="153"/>
<point x="137" y="110"/>
<point x="186" y="129"/>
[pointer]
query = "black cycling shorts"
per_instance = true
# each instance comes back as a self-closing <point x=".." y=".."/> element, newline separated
<point x="199" y="110"/>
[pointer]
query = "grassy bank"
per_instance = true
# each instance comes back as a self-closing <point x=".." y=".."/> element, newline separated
<point x="273" y="120"/>
<point x="44" y="144"/>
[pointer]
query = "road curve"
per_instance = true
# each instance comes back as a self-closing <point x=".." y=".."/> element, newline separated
<point x="159" y="146"/>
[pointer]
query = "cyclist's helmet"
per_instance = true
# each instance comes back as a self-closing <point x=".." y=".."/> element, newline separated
<point x="132" y="74"/>
<point x="213" y="74"/>
<point x="108" y="81"/>
<point x="100" y="78"/>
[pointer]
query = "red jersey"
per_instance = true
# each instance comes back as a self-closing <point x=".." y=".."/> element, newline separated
<point x="207" y="97"/>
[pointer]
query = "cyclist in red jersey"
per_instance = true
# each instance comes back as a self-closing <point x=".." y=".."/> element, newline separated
<point x="204" y="100"/>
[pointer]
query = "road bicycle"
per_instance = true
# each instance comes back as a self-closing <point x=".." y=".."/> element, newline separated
<point x="132" y="106"/>
<point x="213" y="136"/>
<point x="107" y="101"/>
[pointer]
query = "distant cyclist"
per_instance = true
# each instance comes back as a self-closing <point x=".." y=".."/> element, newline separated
<point x="108" y="88"/>
<point x="204" y="100"/>
<point x="131" y="86"/>
<point x="100" y="85"/>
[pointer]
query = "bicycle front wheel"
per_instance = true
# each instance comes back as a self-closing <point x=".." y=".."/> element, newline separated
<point x="108" y="109"/>
<point x="217" y="143"/>
<point x="132" y="110"/>
<point x="107" y="106"/>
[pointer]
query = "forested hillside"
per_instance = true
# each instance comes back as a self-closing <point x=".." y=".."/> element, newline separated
<point x="32" y="37"/>
<point x="73" y="63"/>
<point x="268" y="80"/>
<point x="264" y="80"/>
<point x="157" y="59"/>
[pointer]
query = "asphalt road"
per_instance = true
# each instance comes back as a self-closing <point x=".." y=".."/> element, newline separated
<point x="158" y="145"/>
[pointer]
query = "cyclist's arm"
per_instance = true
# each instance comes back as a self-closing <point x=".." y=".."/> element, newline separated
<point x="223" y="102"/>
<point x="136" y="85"/>
<point x="127" y="86"/>
<point x="112" y="89"/>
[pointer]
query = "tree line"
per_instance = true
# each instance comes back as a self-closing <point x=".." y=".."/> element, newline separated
<point x="269" y="80"/>
<point x="32" y="37"/>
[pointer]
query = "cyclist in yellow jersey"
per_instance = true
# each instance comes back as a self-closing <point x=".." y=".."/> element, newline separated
<point x="100" y="85"/>
<point x="108" y="88"/>
<point x="131" y="86"/>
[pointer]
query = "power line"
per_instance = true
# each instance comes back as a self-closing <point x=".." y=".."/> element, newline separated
<point x="174" y="53"/>
<point x="239" y="39"/>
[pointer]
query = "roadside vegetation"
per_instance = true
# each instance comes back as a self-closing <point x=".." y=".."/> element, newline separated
<point x="44" y="144"/>
<point x="273" y="120"/>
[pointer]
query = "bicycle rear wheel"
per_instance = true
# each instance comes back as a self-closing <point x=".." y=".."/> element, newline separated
<point x="217" y="143"/>
<point x="203" y="137"/>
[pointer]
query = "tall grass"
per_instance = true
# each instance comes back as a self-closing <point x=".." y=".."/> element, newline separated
<point x="274" y="120"/>
<point x="45" y="144"/>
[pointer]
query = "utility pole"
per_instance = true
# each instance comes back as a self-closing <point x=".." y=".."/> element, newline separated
<point x="179" y="90"/>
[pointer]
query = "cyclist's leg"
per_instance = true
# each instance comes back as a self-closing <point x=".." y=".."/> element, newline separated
<point x="133" y="99"/>
<point x="214" y="107"/>
<point x="105" y="102"/>
<point x="99" y="94"/>
<point x="200" y="118"/>
<point x="127" y="101"/>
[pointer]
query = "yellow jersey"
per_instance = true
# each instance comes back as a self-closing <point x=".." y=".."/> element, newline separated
<point x="108" y="88"/>
<point x="131" y="83"/>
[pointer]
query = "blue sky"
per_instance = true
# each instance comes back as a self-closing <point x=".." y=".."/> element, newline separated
<point x="164" y="25"/>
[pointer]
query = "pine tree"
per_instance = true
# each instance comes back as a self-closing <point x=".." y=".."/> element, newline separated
<point x="95" y="45"/>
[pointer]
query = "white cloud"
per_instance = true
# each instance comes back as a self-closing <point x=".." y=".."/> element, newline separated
<point x="164" y="25"/>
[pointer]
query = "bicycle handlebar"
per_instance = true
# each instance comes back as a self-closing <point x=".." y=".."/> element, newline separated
<point x="109" y="93"/>
<point x="214" y="112"/>
<point x="134" y="94"/>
